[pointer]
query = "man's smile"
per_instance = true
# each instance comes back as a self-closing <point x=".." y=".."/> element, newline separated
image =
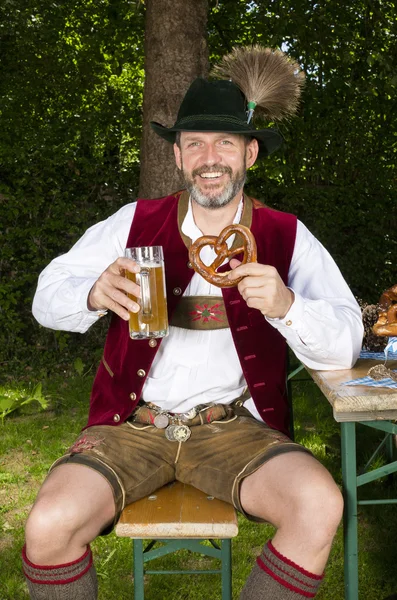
<point x="211" y="175"/>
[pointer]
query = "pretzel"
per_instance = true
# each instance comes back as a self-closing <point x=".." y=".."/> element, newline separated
<point x="387" y="318"/>
<point x="223" y="252"/>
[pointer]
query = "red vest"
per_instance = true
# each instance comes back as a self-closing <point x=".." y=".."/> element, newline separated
<point x="261" y="348"/>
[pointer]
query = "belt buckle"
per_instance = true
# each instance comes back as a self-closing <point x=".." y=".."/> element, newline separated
<point x="178" y="433"/>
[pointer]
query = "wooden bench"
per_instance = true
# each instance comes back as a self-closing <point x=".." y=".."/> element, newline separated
<point x="179" y="517"/>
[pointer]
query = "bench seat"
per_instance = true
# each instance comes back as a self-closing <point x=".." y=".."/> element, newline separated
<point x="179" y="516"/>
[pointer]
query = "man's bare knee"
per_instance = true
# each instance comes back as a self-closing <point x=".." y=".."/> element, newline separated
<point x="294" y="490"/>
<point x="50" y="528"/>
<point x="317" y="510"/>
<point x="74" y="504"/>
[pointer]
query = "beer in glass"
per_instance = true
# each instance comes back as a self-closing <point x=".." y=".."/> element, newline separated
<point x="152" y="320"/>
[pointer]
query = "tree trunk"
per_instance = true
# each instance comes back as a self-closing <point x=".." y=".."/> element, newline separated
<point x="176" y="52"/>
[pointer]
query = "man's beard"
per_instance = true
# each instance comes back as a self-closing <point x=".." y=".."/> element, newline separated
<point x="213" y="199"/>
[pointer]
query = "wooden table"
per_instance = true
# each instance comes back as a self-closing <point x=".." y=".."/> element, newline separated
<point x="375" y="407"/>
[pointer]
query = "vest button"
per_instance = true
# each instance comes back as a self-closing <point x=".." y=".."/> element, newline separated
<point x="177" y="291"/>
<point x="189" y="264"/>
<point x="133" y="396"/>
<point x="152" y="343"/>
<point x="238" y="403"/>
<point x="116" y="418"/>
<point x="141" y="373"/>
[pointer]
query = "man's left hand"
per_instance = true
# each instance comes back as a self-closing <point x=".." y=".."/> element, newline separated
<point x="262" y="288"/>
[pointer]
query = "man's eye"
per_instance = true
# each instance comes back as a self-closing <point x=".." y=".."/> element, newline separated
<point x="226" y="142"/>
<point x="193" y="144"/>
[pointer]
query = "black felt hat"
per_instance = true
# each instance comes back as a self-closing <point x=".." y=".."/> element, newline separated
<point x="251" y="79"/>
<point x="217" y="106"/>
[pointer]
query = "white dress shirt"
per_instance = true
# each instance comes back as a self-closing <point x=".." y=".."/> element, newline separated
<point x="323" y="326"/>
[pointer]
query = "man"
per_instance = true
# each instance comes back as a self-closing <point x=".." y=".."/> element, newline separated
<point x="293" y="295"/>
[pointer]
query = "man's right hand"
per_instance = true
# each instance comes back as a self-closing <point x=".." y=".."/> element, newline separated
<point x="110" y="290"/>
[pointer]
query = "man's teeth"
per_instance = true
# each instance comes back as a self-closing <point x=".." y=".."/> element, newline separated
<point x="211" y="175"/>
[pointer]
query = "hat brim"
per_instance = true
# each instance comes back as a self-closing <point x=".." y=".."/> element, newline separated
<point x="269" y="140"/>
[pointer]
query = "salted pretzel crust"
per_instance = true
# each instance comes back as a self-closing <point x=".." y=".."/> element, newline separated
<point x="222" y="251"/>
<point x="387" y="318"/>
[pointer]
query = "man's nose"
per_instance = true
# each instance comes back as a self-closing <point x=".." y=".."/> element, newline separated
<point x="211" y="154"/>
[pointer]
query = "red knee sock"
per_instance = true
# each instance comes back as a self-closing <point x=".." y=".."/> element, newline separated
<point x="75" y="580"/>
<point x="275" y="577"/>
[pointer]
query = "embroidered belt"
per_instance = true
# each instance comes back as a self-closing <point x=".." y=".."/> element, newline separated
<point x="199" y="415"/>
<point x="200" y="312"/>
<point x="177" y="425"/>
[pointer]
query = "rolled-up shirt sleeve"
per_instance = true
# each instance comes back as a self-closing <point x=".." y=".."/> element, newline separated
<point x="60" y="301"/>
<point x="323" y="326"/>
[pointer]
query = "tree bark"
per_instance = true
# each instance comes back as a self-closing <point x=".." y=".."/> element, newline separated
<point x="176" y="52"/>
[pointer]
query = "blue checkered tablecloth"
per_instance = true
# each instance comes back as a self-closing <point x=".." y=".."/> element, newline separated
<point x="387" y="382"/>
<point x="390" y="353"/>
<point x="378" y="355"/>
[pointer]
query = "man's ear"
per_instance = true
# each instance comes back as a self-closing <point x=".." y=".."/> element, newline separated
<point x="251" y="152"/>
<point x="178" y="157"/>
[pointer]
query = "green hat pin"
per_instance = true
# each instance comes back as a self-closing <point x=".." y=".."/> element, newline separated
<point x="250" y="110"/>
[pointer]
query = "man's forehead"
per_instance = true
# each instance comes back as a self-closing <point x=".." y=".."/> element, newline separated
<point x="208" y="135"/>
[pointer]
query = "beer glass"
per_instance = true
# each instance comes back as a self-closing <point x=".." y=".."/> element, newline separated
<point x="152" y="320"/>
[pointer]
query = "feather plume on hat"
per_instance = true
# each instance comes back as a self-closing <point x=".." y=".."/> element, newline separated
<point x="270" y="80"/>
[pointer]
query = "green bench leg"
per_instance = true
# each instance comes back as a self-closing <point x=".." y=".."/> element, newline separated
<point x="138" y="570"/>
<point x="390" y="448"/>
<point x="223" y="552"/>
<point x="350" y="529"/>
<point x="226" y="558"/>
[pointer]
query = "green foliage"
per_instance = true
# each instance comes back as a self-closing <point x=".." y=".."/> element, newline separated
<point x="70" y="115"/>
<point x="336" y="170"/>
<point x="11" y="400"/>
<point x="71" y="93"/>
<point x="79" y="366"/>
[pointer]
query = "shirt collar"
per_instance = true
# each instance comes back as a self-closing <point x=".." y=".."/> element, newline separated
<point x="189" y="227"/>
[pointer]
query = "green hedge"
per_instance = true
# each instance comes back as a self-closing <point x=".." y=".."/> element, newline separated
<point x="358" y="229"/>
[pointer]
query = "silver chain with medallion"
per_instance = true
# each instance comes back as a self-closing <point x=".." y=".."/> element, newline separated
<point x="175" y="432"/>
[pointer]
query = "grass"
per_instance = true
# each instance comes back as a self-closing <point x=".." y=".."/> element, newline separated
<point x="30" y="440"/>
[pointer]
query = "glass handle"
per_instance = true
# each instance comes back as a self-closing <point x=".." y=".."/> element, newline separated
<point x="145" y="292"/>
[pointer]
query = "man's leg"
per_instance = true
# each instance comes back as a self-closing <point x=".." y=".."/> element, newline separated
<point x="106" y="468"/>
<point x="73" y="506"/>
<point x="294" y="492"/>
